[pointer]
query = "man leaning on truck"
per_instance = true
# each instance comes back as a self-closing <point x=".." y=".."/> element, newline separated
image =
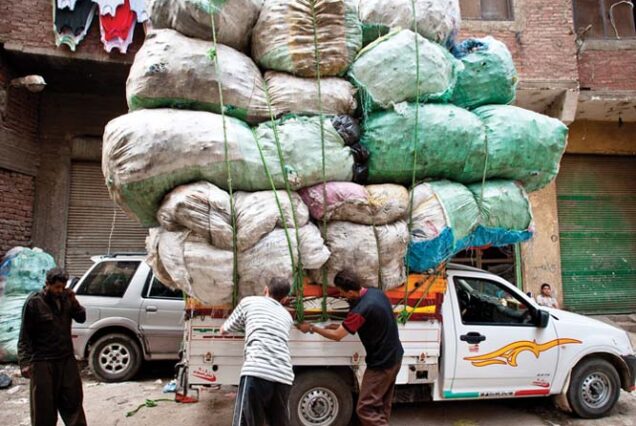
<point x="267" y="374"/>
<point x="371" y="316"/>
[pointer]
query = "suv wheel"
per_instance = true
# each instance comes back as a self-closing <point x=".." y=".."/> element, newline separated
<point x="115" y="358"/>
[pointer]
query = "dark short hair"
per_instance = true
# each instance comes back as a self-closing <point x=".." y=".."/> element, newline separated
<point x="346" y="281"/>
<point x="56" y="275"/>
<point x="278" y="288"/>
<point x="544" y="285"/>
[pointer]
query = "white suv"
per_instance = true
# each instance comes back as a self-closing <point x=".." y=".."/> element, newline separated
<point x="130" y="317"/>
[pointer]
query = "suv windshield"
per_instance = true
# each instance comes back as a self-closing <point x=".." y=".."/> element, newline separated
<point x="108" y="279"/>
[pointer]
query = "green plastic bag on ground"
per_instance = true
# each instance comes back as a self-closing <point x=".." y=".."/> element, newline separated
<point x="522" y="144"/>
<point x="453" y="143"/>
<point x="286" y="39"/>
<point x="10" y="322"/>
<point x="385" y="71"/>
<point x="148" y="153"/>
<point x="489" y="75"/>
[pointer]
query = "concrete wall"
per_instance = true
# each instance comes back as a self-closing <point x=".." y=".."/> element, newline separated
<point x="64" y="117"/>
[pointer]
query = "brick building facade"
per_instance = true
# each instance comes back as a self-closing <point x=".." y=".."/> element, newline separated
<point x="583" y="76"/>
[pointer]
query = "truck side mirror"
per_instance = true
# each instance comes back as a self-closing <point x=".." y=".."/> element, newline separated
<point x="542" y="318"/>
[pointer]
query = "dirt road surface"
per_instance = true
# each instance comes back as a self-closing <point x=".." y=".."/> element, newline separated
<point x="107" y="405"/>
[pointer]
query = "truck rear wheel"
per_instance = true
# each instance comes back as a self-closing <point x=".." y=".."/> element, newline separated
<point x="594" y="388"/>
<point x="320" y="398"/>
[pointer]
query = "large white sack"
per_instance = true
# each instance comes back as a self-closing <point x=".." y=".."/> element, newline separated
<point x="270" y="258"/>
<point x="283" y="38"/>
<point x="201" y="207"/>
<point x="233" y="19"/>
<point x="437" y="20"/>
<point x="374" y="257"/>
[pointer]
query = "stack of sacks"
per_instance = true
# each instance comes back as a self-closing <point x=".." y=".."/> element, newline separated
<point x="194" y="249"/>
<point x="500" y="141"/>
<point x="436" y="20"/>
<point x="449" y="217"/>
<point x="366" y="232"/>
<point x="174" y="71"/>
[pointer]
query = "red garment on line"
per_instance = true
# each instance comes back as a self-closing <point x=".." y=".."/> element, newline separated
<point x="118" y="26"/>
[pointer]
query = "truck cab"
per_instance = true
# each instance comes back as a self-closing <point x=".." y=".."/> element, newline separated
<point x="487" y="340"/>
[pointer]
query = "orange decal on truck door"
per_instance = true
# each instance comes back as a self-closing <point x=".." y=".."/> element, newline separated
<point x="509" y="353"/>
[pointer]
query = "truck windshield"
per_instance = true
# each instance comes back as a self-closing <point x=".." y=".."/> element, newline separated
<point x="108" y="279"/>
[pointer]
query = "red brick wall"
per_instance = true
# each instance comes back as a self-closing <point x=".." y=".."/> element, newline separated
<point x="541" y="39"/>
<point x="608" y="69"/>
<point x="29" y="23"/>
<point x="16" y="209"/>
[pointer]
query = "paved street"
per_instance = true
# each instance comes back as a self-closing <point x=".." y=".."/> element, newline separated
<point x="107" y="405"/>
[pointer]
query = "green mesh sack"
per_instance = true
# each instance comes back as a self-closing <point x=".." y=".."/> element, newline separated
<point x="385" y="72"/>
<point x="523" y="145"/>
<point x="288" y="33"/>
<point x="148" y="153"/>
<point x="489" y="75"/>
<point x="451" y="144"/>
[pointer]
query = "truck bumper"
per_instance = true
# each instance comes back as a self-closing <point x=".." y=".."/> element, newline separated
<point x="630" y="361"/>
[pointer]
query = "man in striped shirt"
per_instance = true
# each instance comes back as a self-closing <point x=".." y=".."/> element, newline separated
<point x="267" y="374"/>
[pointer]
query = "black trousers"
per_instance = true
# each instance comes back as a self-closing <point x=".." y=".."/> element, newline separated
<point x="259" y="401"/>
<point x="55" y="387"/>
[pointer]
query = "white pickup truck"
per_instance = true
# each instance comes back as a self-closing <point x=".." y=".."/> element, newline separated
<point x="490" y="341"/>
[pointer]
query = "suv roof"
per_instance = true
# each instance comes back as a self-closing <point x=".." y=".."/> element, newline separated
<point x="129" y="256"/>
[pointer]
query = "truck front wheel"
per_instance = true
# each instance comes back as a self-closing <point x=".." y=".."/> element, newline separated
<point x="320" y="398"/>
<point x="594" y="388"/>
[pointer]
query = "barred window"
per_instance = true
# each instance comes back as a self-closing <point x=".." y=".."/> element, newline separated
<point x="486" y="10"/>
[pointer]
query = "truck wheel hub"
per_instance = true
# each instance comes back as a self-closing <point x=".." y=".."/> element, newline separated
<point x="318" y="407"/>
<point x="596" y="390"/>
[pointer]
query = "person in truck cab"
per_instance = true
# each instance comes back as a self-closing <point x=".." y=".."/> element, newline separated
<point x="371" y="316"/>
<point x="45" y="353"/>
<point x="267" y="374"/>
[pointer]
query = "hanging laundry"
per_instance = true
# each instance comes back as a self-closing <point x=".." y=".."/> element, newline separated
<point x="71" y="26"/>
<point x="66" y="4"/>
<point x="117" y="31"/>
<point x="107" y="7"/>
<point x="139" y="7"/>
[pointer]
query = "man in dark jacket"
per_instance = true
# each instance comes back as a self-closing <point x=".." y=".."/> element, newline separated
<point x="45" y="353"/>
<point x="371" y="316"/>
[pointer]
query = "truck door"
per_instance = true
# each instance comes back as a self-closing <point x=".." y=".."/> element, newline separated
<point x="500" y="352"/>
<point x="161" y="319"/>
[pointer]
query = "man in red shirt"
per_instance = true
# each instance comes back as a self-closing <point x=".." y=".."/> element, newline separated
<point x="371" y="316"/>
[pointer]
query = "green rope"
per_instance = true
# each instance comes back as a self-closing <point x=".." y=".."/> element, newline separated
<point x="214" y="57"/>
<point x="150" y="403"/>
<point x="415" y="140"/>
<point x="322" y="147"/>
<point x="297" y="268"/>
<point x="405" y="314"/>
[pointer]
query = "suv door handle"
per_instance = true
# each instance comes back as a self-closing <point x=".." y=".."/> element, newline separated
<point x="151" y="309"/>
<point x="472" y="337"/>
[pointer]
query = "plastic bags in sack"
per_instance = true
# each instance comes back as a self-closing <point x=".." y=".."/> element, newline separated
<point x="23" y="270"/>
<point x="174" y="71"/>
<point x="374" y="255"/>
<point x="386" y="71"/>
<point x="521" y="145"/>
<point x="233" y="19"/>
<point x="147" y="153"/>
<point x="449" y="217"/>
<point x="489" y="75"/>
<point x="10" y="322"/>
<point x="437" y="20"/>
<point x="347" y="201"/>
<point x="283" y="38"/>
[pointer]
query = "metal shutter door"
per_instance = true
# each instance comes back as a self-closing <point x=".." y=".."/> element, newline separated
<point x="597" y="219"/>
<point x="90" y="219"/>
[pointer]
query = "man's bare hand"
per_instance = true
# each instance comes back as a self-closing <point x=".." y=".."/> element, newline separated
<point x="333" y="326"/>
<point x="223" y="331"/>
<point x="26" y="371"/>
<point x="305" y="327"/>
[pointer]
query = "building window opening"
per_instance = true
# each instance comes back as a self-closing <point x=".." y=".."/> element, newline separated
<point x="605" y="19"/>
<point x="486" y="10"/>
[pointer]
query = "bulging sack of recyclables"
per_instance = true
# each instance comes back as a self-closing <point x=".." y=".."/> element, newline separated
<point x="148" y="153"/>
<point x="174" y="71"/>
<point x="436" y="20"/>
<point x="449" y="217"/>
<point x="283" y="38"/>
<point x="453" y="143"/>
<point x="233" y="19"/>
<point x="386" y="71"/>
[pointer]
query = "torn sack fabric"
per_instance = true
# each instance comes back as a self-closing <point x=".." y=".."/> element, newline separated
<point x="139" y="7"/>
<point x="117" y="31"/>
<point x="71" y="26"/>
<point x="108" y="7"/>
